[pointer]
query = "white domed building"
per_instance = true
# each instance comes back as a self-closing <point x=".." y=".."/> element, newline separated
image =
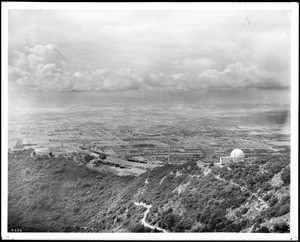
<point x="237" y="155"/>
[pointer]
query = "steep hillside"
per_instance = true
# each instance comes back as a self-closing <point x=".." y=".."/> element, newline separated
<point x="55" y="194"/>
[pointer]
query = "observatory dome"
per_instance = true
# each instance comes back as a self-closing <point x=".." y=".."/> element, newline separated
<point x="237" y="153"/>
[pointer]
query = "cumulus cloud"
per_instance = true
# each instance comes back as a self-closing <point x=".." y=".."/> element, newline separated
<point x="16" y="77"/>
<point x="39" y="68"/>
<point x="42" y="68"/>
<point x="233" y="76"/>
<point x="107" y="80"/>
<point x="48" y="53"/>
<point x="160" y="49"/>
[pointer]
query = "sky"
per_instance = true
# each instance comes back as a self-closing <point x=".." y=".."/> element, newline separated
<point x="148" y="50"/>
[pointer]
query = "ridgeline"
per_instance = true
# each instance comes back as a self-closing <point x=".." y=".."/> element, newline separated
<point x="54" y="194"/>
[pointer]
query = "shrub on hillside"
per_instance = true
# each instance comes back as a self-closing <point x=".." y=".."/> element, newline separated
<point x="281" y="228"/>
<point x="285" y="176"/>
<point x="284" y="209"/>
<point x="88" y="157"/>
<point x="267" y="197"/>
<point x="244" y="210"/>
<point x="273" y="201"/>
<point x="262" y="229"/>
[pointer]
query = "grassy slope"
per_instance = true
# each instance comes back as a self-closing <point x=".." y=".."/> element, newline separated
<point x="54" y="194"/>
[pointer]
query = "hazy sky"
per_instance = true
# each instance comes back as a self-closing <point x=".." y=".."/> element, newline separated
<point x="113" y="50"/>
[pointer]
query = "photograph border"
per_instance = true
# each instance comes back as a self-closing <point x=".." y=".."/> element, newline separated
<point x="294" y="209"/>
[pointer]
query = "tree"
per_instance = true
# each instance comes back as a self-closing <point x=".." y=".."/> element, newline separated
<point x="285" y="176"/>
<point x="244" y="210"/>
<point x="51" y="154"/>
<point x="273" y="201"/>
<point x="281" y="228"/>
<point x="139" y="228"/>
<point x="266" y="186"/>
<point x="284" y="209"/>
<point x="262" y="229"/>
<point x="267" y="197"/>
<point x="88" y="157"/>
<point x="156" y="231"/>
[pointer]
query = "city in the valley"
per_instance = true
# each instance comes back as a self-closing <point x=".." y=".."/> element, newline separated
<point x="131" y="139"/>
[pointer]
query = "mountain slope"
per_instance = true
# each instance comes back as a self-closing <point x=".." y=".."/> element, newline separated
<point x="55" y="194"/>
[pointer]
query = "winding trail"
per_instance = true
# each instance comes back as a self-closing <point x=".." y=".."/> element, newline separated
<point x="146" y="224"/>
<point x="31" y="154"/>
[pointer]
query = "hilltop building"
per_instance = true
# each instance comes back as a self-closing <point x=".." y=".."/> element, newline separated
<point x="236" y="155"/>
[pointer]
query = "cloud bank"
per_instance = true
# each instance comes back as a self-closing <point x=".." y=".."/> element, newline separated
<point x="43" y="68"/>
<point x="39" y="68"/>
<point x="148" y="49"/>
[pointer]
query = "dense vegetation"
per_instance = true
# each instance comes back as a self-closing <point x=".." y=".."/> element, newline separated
<point x="55" y="194"/>
<point x="257" y="176"/>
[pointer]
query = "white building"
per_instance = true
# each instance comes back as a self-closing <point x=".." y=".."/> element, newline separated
<point x="236" y="155"/>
